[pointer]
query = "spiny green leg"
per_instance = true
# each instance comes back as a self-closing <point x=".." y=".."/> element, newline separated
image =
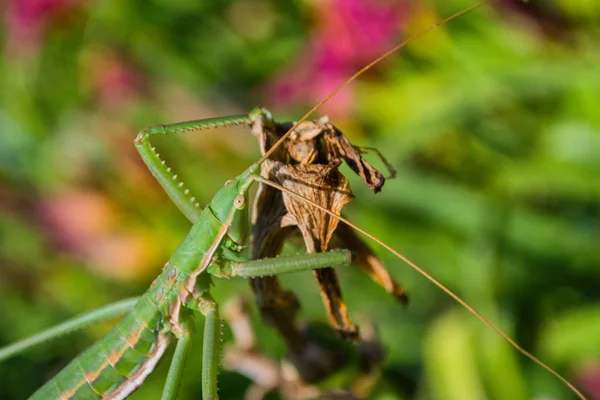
<point x="178" y="363"/>
<point x="174" y="188"/>
<point x="69" y="326"/>
<point x="289" y="264"/>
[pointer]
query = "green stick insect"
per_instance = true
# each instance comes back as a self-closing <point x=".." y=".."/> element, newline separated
<point x="118" y="364"/>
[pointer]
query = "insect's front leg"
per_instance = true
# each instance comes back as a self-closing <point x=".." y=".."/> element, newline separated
<point x="163" y="174"/>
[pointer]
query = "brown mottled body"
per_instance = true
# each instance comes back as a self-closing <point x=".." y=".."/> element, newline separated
<point x="307" y="163"/>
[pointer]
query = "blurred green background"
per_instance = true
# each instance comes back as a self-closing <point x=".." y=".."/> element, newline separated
<point x="492" y="121"/>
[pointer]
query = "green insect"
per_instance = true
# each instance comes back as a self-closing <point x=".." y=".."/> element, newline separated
<point x="118" y="364"/>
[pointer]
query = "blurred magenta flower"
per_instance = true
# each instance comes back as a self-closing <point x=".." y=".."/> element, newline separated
<point x="88" y="227"/>
<point x="114" y="81"/>
<point x="590" y="380"/>
<point x="26" y="21"/>
<point x="347" y="35"/>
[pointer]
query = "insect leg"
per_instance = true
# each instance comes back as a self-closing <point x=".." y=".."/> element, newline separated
<point x="174" y="188"/>
<point x="289" y="264"/>
<point x="178" y="363"/>
<point x="366" y="260"/>
<point x="211" y="348"/>
<point x="69" y="326"/>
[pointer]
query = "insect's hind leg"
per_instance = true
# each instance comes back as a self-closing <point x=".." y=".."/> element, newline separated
<point x="169" y="182"/>
<point x="100" y="314"/>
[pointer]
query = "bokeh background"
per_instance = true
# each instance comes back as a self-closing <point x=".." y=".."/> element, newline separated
<point x="492" y="121"/>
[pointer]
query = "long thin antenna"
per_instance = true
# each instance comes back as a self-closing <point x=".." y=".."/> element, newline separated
<point x="430" y="277"/>
<point x="366" y="68"/>
<point x="373" y="237"/>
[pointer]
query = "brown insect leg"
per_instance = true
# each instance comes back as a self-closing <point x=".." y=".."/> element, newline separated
<point x="336" y="308"/>
<point x="346" y="238"/>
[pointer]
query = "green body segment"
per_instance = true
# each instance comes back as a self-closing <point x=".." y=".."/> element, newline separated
<point x="111" y="362"/>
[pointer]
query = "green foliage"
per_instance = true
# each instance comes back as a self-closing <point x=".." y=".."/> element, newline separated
<point x="492" y="121"/>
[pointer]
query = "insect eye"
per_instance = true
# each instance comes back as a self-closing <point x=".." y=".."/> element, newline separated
<point x="239" y="202"/>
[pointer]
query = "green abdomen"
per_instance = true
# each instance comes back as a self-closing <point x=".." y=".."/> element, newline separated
<point x="115" y="365"/>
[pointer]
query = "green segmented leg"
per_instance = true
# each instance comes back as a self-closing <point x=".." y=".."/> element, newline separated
<point x="178" y="363"/>
<point x="211" y="349"/>
<point x="70" y="326"/>
<point x="211" y="352"/>
<point x="174" y="188"/>
<point x="291" y="264"/>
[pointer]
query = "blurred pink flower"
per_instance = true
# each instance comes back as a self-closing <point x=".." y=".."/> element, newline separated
<point x="77" y="217"/>
<point x="86" y="225"/>
<point x="27" y="19"/>
<point x="114" y="80"/>
<point x="590" y="380"/>
<point x="348" y="34"/>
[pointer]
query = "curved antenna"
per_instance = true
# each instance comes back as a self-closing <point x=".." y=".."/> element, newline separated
<point x="376" y="239"/>
<point x="427" y="275"/>
<point x="363" y="70"/>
